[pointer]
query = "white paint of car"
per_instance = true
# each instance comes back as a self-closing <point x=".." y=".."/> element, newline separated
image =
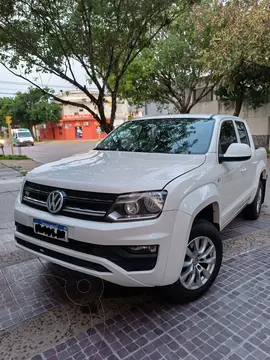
<point x="192" y="182"/>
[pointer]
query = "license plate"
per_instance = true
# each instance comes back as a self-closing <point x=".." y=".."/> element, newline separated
<point x="51" y="230"/>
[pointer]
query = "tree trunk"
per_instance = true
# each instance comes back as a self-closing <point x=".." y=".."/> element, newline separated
<point x="102" y="119"/>
<point x="113" y="109"/>
<point x="238" y="107"/>
<point x="30" y="128"/>
<point x="184" y="110"/>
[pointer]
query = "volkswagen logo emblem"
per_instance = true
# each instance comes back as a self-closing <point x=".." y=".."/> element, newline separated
<point x="55" y="201"/>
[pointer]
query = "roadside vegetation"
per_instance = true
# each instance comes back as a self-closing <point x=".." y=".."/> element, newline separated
<point x="14" y="157"/>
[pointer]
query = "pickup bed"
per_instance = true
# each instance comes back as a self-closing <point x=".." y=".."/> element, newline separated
<point x="146" y="206"/>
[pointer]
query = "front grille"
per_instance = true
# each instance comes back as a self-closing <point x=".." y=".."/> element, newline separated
<point x="78" y="204"/>
<point x="119" y="255"/>
<point x="66" y="258"/>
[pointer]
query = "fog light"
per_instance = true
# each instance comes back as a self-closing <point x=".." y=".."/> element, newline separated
<point x="142" y="249"/>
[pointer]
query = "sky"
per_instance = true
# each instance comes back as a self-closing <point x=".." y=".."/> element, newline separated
<point x="11" y="84"/>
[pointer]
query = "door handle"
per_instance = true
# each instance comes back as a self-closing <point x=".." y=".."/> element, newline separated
<point x="243" y="170"/>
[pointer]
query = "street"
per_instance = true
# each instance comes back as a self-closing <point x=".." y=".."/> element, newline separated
<point x="53" y="150"/>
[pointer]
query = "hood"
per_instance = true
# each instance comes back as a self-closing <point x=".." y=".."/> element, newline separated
<point x="115" y="172"/>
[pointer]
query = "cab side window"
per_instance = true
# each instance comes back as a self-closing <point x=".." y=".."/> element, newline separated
<point x="227" y="136"/>
<point x="241" y="128"/>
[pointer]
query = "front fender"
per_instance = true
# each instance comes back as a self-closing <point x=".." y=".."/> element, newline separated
<point x="198" y="199"/>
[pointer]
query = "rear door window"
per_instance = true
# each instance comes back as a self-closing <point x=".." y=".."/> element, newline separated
<point x="227" y="136"/>
<point x="242" y="131"/>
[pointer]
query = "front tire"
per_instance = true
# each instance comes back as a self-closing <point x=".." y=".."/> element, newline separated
<point x="201" y="265"/>
<point x="252" y="211"/>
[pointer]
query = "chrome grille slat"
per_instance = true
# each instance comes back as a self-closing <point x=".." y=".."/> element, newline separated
<point x="86" y="199"/>
<point x="34" y="201"/>
<point x="36" y="191"/>
<point x="84" y="211"/>
<point x="79" y="204"/>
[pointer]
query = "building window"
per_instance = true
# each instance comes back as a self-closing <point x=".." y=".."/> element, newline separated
<point x="198" y="92"/>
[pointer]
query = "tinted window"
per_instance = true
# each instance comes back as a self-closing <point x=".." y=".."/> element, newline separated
<point x="170" y="136"/>
<point x="242" y="132"/>
<point x="227" y="136"/>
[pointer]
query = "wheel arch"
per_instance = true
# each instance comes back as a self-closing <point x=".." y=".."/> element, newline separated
<point x="208" y="208"/>
<point x="263" y="179"/>
<point x="260" y="175"/>
<point x="211" y="214"/>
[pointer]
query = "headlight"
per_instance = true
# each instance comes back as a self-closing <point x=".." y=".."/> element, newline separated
<point x="137" y="206"/>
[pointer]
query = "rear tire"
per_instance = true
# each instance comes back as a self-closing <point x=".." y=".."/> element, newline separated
<point x="202" y="269"/>
<point x="252" y="211"/>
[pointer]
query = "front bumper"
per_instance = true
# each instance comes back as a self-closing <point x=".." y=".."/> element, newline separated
<point x="24" y="143"/>
<point x="165" y="232"/>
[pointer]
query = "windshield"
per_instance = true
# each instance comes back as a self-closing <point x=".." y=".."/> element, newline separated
<point x="24" y="134"/>
<point x="169" y="136"/>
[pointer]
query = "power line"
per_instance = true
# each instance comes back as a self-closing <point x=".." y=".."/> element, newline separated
<point x="40" y="84"/>
<point x="27" y="84"/>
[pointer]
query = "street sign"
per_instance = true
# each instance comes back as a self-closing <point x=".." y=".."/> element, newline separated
<point x="8" y="120"/>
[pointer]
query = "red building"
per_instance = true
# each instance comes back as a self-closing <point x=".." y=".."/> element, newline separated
<point x="72" y="127"/>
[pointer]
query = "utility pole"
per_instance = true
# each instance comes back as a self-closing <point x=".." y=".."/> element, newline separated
<point x="8" y="122"/>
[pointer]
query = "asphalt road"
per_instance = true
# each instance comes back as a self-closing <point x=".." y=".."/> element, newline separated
<point x="54" y="150"/>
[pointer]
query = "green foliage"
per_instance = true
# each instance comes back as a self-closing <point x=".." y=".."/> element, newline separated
<point x="14" y="157"/>
<point x="5" y="109"/>
<point x="247" y="82"/>
<point x="240" y="53"/>
<point x="29" y="108"/>
<point x="103" y="37"/>
<point x="172" y="68"/>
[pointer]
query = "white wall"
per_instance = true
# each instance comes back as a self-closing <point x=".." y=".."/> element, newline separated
<point x="256" y="119"/>
<point x="80" y="97"/>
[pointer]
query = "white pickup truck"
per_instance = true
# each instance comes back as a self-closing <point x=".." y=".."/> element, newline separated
<point x="146" y="206"/>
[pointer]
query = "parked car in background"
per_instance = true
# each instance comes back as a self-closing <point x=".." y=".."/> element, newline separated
<point x="146" y="206"/>
<point x="22" y="137"/>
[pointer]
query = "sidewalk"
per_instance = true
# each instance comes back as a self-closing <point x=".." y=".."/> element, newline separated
<point x="19" y="165"/>
<point x="44" y="141"/>
<point x="10" y="180"/>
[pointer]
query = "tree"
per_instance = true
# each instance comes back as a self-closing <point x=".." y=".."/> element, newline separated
<point x="247" y="82"/>
<point x="30" y="108"/>
<point x="240" y="53"/>
<point x="172" y="69"/>
<point x="5" y="109"/>
<point x="103" y="37"/>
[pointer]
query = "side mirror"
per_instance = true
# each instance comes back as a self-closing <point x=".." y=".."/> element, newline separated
<point x="236" y="152"/>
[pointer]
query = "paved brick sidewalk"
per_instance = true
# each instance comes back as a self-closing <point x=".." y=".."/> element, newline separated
<point x="48" y="312"/>
<point x="231" y="322"/>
